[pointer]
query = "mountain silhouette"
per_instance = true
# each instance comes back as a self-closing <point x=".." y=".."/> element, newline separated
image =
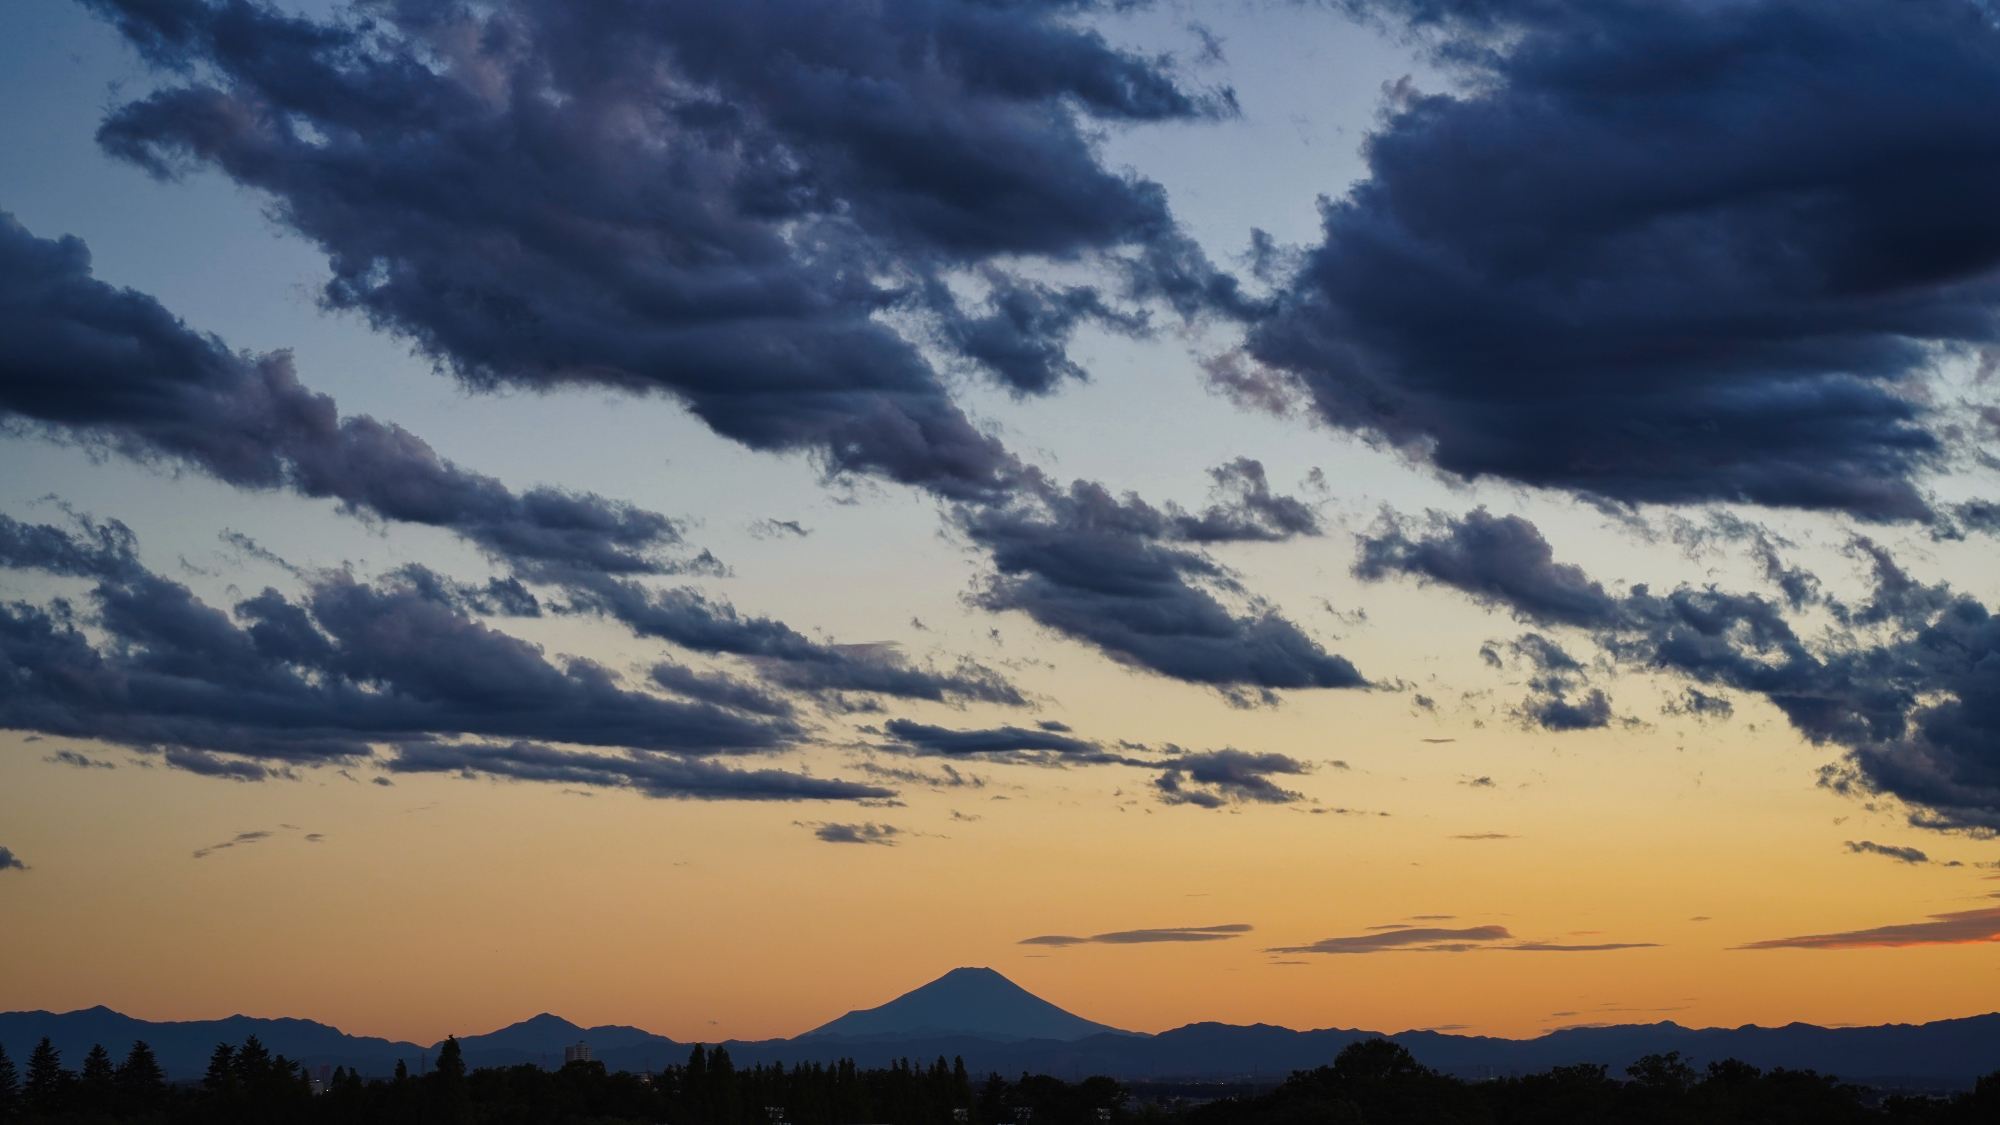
<point x="183" y="1046"/>
<point x="975" y="1002"/>
<point x="541" y="1039"/>
<point x="997" y="1026"/>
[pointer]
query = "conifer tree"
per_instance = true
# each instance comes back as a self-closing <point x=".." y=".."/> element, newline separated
<point x="142" y="1084"/>
<point x="221" y="1076"/>
<point x="10" y="1088"/>
<point x="47" y="1080"/>
<point x="451" y="1060"/>
<point x="402" y="1070"/>
<point x="94" y="1090"/>
<point x="253" y="1062"/>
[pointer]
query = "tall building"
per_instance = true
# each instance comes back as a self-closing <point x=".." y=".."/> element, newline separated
<point x="578" y="1053"/>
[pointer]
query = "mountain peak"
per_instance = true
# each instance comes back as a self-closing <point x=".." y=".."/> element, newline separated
<point x="970" y="1000"/>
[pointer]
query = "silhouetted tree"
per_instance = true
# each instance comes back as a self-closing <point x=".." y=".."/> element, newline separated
<point x="220" y="1078"/>
<point x="94" y="1092"/>
<point x="450" y="1097"/>
<point x="48" y="1082"/>
<point x="1376" y="1060"/>
<point x="142" y="1084"/>
<point x="10" y="1088"/>
<point x="253" y="1063"/>
<point x="451" y="1060"/>
<point x="1667" y="1074"/>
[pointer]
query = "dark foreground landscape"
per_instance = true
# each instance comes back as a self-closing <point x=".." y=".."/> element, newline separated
<point x="973" y="1048"/>
<point x="1372" y="1082"/>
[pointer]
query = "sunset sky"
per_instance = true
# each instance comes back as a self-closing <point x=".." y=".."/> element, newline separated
<point x="1383" y="514"/>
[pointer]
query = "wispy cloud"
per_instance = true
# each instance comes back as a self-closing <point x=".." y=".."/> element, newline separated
<point x="80" y="761"/>
<point x="238" y="840"/>
<point x="1145" y="937"/>
<point x="854" y="833"/>
<point x="1959" y="927"/>
<point x="1437" y="939"/>
<point x="1870" y="847"/>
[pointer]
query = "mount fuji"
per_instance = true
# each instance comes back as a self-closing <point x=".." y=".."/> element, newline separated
<point x="973" y="1002"/>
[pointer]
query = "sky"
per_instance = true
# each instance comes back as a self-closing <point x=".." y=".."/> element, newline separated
<point x="1384" y="514"/>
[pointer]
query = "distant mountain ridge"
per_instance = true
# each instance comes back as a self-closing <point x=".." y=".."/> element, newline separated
<point x="1938" y="1054"/>
<point x="183" y="1046"/>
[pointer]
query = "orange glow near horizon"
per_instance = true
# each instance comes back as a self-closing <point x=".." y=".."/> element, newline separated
<point x="431" y="908"/>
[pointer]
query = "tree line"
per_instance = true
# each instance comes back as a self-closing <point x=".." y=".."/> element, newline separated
<point x="1374" y="1082"/>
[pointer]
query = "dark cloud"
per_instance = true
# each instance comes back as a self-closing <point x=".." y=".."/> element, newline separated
<point x="998" y="741"/>
<point x="498" y="597"/>
<point x="1207" y="779"/>
<point x="1870" y="847"/>
<point x="80" y="761"/>
<point x="785" y="657"/>
<point x="114" y="368"/>
<point x="1908" y="680"/>
<point x="1218" y="777"/>
<point x="1146" y="937"/>
<point x="1698" y="704"/>
<point x="1499" y="560"/>
<point x="11" y="862"/>
<point x="1555" y="711"/>
<point x="1559" y="698"/>
<point x="1486" y="836"/>
<point x="1110" y="572"/>
<point x="857" y="833"/>
<point x="651" y="774"/>
<point x="1665" y="251"/>
<point x="1245" y="510"/>
<point x="95" y="549"/>
<point x="277" y="683"/>
<point x="1961" y="927"/>
<point x="720" y="207"/>
<point x="709" y="202"/>
<point x="719" y="688"/>
<point x="1020" y="340"/>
